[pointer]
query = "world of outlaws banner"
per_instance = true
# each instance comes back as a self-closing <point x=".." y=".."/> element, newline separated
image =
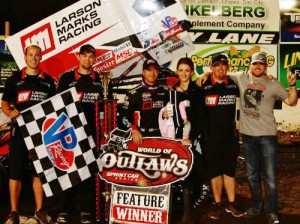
<point x="155" y="162"/>
<point x="141" y="176"/>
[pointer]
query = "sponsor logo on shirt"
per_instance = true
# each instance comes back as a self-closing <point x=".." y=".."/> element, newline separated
<point x="80" y="94"/>
<point x="24" y="96"/>
<point x="211" y="100"/>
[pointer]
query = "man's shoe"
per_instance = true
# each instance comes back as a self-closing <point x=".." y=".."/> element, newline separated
<point x="273" y="219"/>
<point x="251" y="212"/>
<point x="86" y="217"/>
<point x="31" y="220"/>
<point x="13" y="218"/>
<point x="63" y="217"/>
<point x="231" y="208"/>
<point x="42" y="216"/>
<point x="216" y="211"/>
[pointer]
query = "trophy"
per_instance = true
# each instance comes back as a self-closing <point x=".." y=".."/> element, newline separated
<point x="105" y="124"/>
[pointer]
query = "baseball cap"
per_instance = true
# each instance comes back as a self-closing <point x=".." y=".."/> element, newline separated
<point x="150" y="62"/>
<point x="259" y="57"/>
<point x="219" y="58"/>
<point x="87" y="48"/>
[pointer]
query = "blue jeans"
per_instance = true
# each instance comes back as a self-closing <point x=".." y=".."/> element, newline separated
<point x="261" y="156"/>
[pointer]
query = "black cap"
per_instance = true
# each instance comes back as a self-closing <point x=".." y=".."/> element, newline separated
<point x="219" y="58"/>
<point x="87" y="48"/>
<point x="150" y="62"/>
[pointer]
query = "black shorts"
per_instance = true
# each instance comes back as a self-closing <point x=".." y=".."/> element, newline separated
<point x="18" y="158"/>
<point x="221" y="157"/>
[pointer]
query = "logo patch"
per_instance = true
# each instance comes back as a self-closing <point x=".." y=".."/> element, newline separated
<point x="211" y="100"/>
<point x="80" y="95"/>
<point x="169" y="22"/>
<point x="24" y="96"/>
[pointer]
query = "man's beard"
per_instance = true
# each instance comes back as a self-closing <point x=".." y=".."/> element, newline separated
<point x="87" y="68"/>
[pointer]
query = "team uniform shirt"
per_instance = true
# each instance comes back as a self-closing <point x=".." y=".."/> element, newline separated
<point x="141" y="107"/>
<point x="220" y="104"/>
<point x="24" y="91"/>
<point x="89" y="89"/>
<point x="257" y="103"/>
<point x="221" y="142"/>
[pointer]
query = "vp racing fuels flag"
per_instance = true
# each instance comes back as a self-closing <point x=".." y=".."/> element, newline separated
<point x="60" y="144"/>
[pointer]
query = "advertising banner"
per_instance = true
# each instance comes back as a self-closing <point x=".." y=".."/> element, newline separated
<point x="131" y="205"/>
<point x="290" y="21"/>
<point x="219" y="21"/>
<point x="289" y="60"/>
<point x="163" y="53"/>
<point x="239" y="56"/>
<point x="141" y="176"/>
<point x="7" y="64"/>
<point x="119" y="30"/>
<point x="155" y="162"/>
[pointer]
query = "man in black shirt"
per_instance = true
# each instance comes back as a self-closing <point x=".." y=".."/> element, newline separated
<point x="221" y="142"/>
<point x="23" y="90"/>
<point x="89" y="88"/>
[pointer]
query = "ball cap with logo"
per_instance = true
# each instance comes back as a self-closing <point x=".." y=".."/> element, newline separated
<point x="259" y="57"/>
<point x="87" y="48"/>
<point x="150" y="62"/>
<point x="220" y="58"/>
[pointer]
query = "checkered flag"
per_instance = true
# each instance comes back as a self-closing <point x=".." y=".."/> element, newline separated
<point x="59" y="141"/>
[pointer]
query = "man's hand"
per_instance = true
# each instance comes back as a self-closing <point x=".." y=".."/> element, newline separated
<point x="8" y="110"/>
<point x="99" y="163"/>
<point x="202" y="79"/>
<point x="291" y="78"/>
<point x="271" y="77"/>
<point x="14" y="113"/>
<point x="137" y="137"/>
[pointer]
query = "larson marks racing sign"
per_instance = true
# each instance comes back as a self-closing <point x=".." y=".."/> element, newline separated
<point x="119" y="30"/>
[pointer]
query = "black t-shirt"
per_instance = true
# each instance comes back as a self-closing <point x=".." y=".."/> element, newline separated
<point x="89" y="89"/>
<point x="23" y="91"/>
<point x="220" y="104"/>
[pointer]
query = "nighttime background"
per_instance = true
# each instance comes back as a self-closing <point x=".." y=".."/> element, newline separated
<point x="24" y="13"/>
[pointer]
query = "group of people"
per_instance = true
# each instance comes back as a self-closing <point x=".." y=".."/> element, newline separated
<point x="196" y="112"/>
<point x="259" y="130"/>
<point x="17" y="96"/>
<point x="210" y="121"/>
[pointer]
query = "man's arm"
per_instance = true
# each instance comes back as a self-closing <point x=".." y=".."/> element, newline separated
<point x="8" y="110"/>
<point x="127" y="117"/>
<point x="201" y="79"/>
<point x="293" y="96"/>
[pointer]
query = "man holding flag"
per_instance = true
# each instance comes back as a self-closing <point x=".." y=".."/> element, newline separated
<point x="26" y="88"/>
